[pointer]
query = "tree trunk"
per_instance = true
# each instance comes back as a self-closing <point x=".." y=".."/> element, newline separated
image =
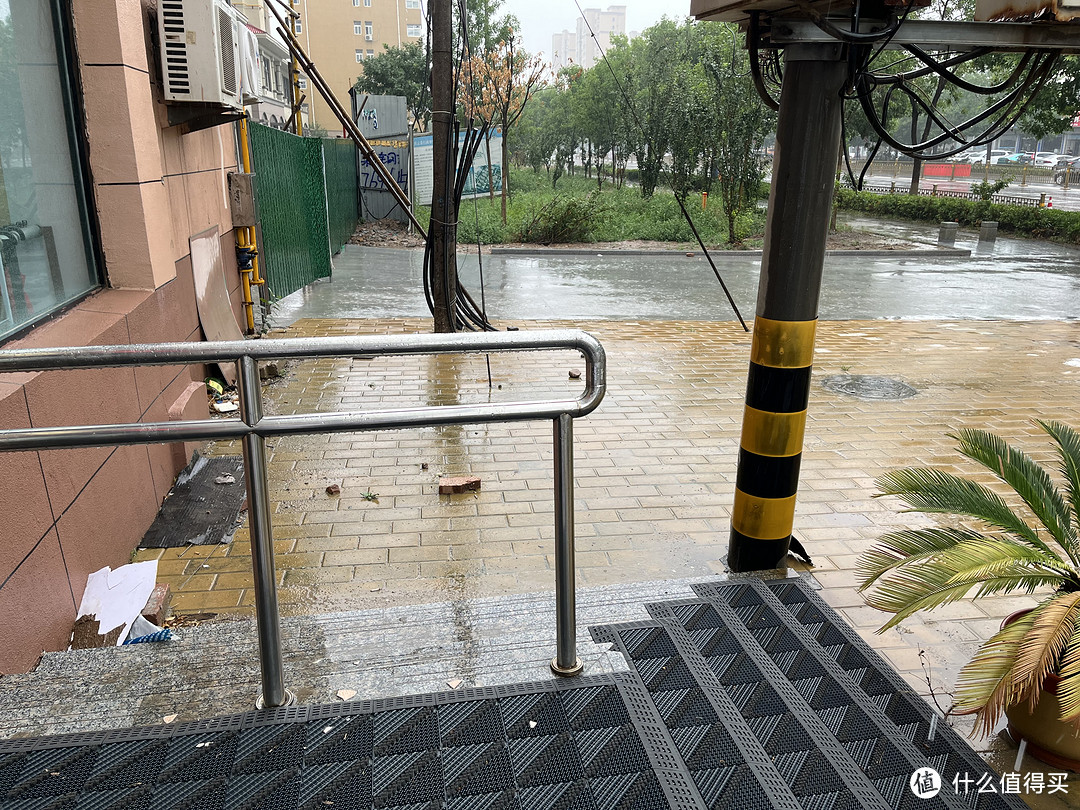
<point x="491" y="178"/>
<point x="505" y="176"/>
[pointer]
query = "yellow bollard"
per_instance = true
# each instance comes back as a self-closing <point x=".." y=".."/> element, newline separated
<point x="704" y="199"/>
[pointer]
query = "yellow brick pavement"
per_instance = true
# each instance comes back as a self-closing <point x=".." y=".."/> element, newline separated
<point x="655" y="467"/>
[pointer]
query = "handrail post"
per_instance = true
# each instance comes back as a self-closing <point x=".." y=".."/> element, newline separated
<point x="565" y="661"/>
<point x="264" y="578"/>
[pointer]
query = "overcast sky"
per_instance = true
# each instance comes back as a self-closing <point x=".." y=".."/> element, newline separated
<point x="539" y="20"/>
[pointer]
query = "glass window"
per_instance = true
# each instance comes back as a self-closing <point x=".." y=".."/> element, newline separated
<point x="412" y="3"/>
<point x="356" y="3"/>
<point x="302" y="81"/>
<point x="367" y="3"/>
<point x="370" y="54"/>
<point x="414" y="30"/>
<point x="368" y="30"/>
<point x="357" y="27"/>
<point x="359" y="55"/>
<point x="299" y="28"/>
<point x="46" y="253"/>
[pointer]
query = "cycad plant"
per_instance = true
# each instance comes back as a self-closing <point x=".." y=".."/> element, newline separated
<point x="999" y="548"/>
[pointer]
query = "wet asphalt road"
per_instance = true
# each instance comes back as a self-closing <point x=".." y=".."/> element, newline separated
<point x="1011" y="280"/>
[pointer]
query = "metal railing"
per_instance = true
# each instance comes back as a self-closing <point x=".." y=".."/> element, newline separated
<point x="252" y="427"/>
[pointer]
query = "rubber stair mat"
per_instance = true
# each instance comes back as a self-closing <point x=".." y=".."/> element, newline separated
<point x="575" y="744"/>
<point x="814" y="647"/>
<point x="764" y="675"/>
<point x="754" y="695"/>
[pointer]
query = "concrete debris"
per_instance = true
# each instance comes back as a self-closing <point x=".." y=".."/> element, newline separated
<point x="169" y="718"/>
<point x="455" y="485"/>
<point x="226" y="407"/>
<point x="333" y="489"/>
<point x="268" y="371"/>
<point x="575" y="374"/>
<point x="346" y="694"/>
<point x="454" y="683"/>
<point x="225" y="479"/>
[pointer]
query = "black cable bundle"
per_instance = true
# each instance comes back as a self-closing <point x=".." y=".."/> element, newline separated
<point x="465" y="313"/>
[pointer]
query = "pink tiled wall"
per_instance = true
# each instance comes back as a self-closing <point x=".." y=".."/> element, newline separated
<point x="67" y="513"/>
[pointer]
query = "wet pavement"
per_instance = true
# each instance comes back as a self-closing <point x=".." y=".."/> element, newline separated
<point x="1012" y="279"/>
<point x="412" y="578"/>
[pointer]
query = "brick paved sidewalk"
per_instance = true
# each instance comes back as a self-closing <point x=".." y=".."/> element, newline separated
<point x="655" y="467"/>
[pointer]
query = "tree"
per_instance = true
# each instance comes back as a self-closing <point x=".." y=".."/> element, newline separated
<point x="599" y="111"/>
<point x="401" y="71"/>
<point x="742" y="120"/>
<point x="499" y="84"/>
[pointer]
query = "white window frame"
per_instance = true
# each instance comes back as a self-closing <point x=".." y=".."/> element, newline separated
<point x="412" y="3"/>
<point x="369" y="29"/>
<point x="359" y="55"/>
<point x="417" y="27"/>
<point x="357" y="27"/>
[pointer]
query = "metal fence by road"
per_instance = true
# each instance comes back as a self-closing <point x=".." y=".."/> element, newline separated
<point x="253" y="427"/>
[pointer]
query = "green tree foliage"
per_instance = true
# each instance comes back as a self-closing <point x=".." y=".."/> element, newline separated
<point x="400" y="71"/>
<point x="742" y="122"/>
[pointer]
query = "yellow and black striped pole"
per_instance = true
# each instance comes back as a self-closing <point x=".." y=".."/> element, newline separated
<point x="782" y="352"/>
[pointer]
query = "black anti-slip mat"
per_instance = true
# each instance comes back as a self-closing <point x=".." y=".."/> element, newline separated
<point x="753" y="696"/>
<point x="198" y="510"/>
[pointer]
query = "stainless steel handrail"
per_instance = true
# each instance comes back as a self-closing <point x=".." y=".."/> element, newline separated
<point x="253" y="427"/>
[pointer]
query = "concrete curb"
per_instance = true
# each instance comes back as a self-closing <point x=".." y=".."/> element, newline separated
<point x="947" y="253"/>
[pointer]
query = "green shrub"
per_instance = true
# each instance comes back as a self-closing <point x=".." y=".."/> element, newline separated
<point x="563" y="218"/>
<point x="1041" y="223"/>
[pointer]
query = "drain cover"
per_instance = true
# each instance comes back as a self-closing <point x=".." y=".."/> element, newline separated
<point x="868" y="387"/>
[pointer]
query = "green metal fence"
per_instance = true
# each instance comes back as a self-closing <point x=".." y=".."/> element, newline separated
<point x="339" y="163"/>
<point x="306" y="198"/>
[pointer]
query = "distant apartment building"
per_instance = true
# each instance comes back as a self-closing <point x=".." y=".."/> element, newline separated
<point x="339" y="35"/>
<point x="579" y="47"/>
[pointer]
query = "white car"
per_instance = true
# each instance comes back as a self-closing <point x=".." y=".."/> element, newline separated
<point x="1046" y="159"/>
<point x="980" y="157"/>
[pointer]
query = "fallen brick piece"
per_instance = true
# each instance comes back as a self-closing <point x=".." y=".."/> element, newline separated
<point x="459" y="483"/>
<point x="157" y="606"/>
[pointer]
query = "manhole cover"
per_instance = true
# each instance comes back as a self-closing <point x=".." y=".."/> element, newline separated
<point x="868" y="387"/>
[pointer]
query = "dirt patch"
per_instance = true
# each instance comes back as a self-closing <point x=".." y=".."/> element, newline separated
<point x="391" y="234"/>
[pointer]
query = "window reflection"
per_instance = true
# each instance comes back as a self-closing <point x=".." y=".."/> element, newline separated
<point x="43" y="230"/>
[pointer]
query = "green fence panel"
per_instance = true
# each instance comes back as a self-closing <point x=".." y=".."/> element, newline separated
<point x="291" y="199"/>
<point x="339" y="161"/>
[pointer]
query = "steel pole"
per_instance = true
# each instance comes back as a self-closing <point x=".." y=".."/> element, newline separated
<point x="781" y="355"/>
<point x="262" y="540"/>
<point x="565" y="661"/>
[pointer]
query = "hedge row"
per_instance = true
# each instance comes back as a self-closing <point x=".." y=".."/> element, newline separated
<point x="1039" y="223"/>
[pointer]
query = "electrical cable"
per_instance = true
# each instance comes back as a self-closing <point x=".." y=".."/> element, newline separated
<point x="682" y="207"/>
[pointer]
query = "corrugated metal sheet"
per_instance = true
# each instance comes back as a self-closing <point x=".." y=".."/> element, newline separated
<point x="291" y="199"/>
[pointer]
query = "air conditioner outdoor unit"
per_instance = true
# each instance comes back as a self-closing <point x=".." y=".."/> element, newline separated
<point x="369" y="37"/>
<point x="200" y="52"/>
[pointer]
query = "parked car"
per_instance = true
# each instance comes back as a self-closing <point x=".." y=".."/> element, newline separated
<point x="979" y="157"/>
<point x="1068" y="169"/>
<point x="1046" y="159"/>
<point x="1013" y="159"/>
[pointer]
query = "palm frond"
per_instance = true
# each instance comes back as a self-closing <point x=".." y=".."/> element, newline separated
<point x="1068" y="691"/>
<point x="925" y="587"/>
<point x="934" y="491"/>
<point x="985" y="683"/>
<point x="1040" y="653"/>
<point x="905" y="547"/>
<point x="1027" y="478"/>
<point x="1068" y="442"/>
<point x="988" y="557"/>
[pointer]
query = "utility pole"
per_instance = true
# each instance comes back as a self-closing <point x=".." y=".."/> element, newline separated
<point x="443" y="230"/>
<point x="782" y="352"/>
